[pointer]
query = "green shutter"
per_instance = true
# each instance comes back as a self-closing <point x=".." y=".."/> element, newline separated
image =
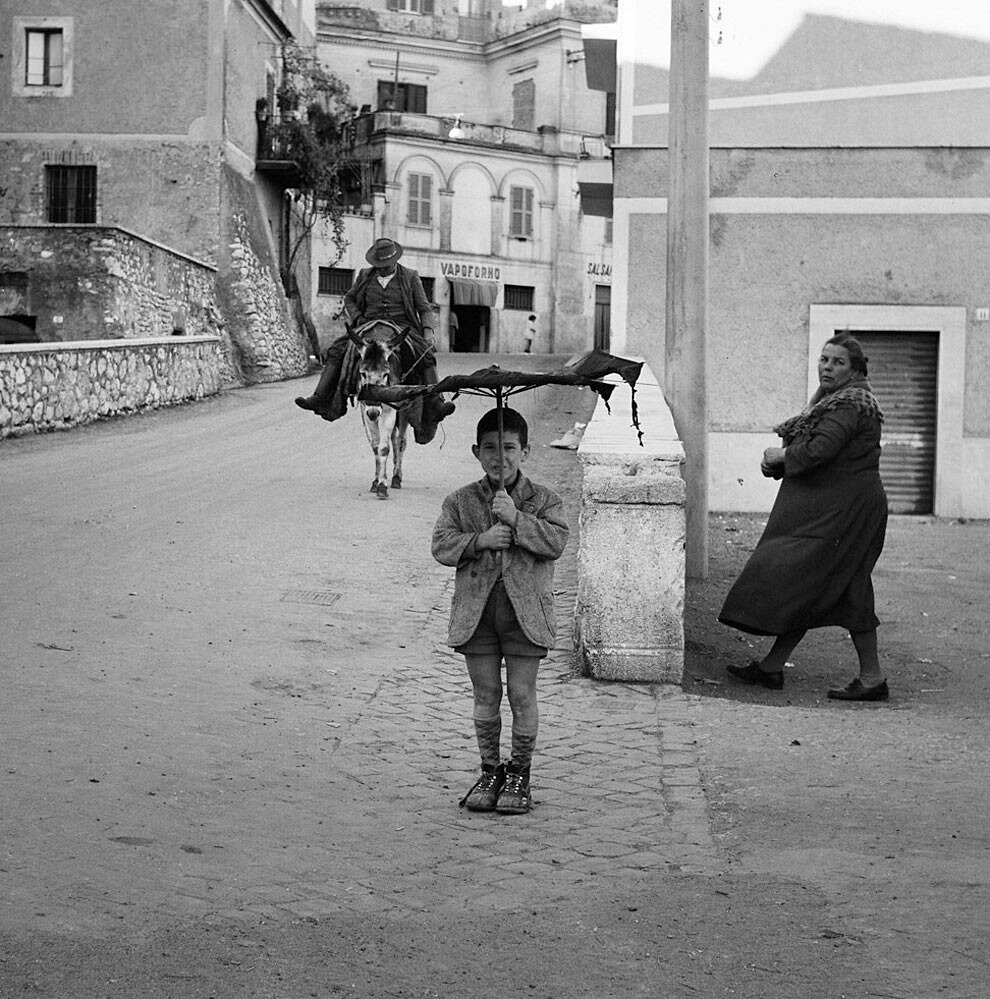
<point x="426" y="200"/>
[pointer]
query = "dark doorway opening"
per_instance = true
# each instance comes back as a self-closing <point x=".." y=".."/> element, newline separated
<point x="18" y="329"/>
<point x="603" y="316"/>
<point x="473" y="329"/>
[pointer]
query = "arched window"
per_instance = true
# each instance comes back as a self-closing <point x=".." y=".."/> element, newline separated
<point x="420" y="199"/>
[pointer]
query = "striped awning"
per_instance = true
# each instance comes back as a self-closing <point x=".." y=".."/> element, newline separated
<point x="470" y="291"/>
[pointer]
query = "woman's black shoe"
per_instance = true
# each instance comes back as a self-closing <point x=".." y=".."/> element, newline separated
<point x="753" y="674"/>
<point x="855" y="691"/>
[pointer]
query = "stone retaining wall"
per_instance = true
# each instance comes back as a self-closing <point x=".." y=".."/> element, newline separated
<point x="56" y="386"/>
<point x="629" y="620"/>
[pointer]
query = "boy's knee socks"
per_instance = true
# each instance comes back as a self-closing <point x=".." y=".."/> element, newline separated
<point x="523" y="745"/>
<point x="489" y="734"/>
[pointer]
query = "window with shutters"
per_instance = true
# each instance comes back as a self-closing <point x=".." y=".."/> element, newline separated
<point x="42" y="56"/>
<point x="412" y="6"/>
<point x="70" y="194"/>
<point x="409" y="97"/>
<point x="521" y="212"/>
<point x="420" y="199"/>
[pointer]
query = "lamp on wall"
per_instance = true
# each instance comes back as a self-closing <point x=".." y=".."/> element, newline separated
<point x="456" y="132"/>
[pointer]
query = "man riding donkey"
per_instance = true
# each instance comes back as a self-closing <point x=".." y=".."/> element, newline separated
<point x="385" y="290"/>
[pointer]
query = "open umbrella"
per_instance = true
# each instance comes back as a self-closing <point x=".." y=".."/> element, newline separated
<point x="588" y="369"/>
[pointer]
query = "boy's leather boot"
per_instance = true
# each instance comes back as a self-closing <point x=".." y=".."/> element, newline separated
<point x="515" y="798"/>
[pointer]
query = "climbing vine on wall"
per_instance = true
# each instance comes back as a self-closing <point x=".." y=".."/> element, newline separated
<point x="314" y="108"/>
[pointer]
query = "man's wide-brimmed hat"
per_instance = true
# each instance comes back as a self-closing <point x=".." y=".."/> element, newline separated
<point x="383" y="251"/>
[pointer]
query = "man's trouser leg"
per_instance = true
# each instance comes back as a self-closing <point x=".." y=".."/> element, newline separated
<point x="435" y="407"/>
<point x="328" y="378"/>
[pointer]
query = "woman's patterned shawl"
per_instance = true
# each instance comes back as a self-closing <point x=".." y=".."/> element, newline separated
<point x="857" y="392"/>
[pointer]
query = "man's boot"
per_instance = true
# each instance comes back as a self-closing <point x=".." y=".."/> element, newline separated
<point x="319" y="401"/>
<point x="435" y="407"/>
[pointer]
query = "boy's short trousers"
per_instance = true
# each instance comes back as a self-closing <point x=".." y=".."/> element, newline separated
<point x="498" y="631"/>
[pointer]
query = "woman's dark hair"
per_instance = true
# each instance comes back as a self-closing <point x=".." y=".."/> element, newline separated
<point x="855" y="349"/>
<point x="512" y="421"/>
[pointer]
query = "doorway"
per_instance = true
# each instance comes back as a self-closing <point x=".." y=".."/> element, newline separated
<point x="904" y="374"/>
<point x="942" y="329"/>
<point x="603" y="317"/>
<point x="473" y="329"/>
<point x="18" y="329"/>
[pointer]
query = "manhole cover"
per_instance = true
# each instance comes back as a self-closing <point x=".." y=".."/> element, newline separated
<point x="322" y="597"/>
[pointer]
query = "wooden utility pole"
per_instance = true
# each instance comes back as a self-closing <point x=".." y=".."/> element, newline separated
<point x="685" y="381"/>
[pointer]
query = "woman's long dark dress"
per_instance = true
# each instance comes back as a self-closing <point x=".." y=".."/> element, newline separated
<point x="811" y="568"/>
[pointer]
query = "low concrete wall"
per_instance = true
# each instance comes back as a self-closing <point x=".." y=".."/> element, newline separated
<point x="629" y="621"/>
<point x="60" y="385"/>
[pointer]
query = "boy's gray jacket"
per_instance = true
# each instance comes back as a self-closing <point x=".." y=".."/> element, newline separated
<point x="527" y="567"/>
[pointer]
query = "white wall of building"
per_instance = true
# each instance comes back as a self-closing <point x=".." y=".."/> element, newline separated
<point x="871" y="199"/>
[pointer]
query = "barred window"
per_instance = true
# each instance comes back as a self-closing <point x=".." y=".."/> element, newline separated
<point x="520" y="212"/>
<point x="518" y="296"/>
<point x="420" y="199"/>
<point x="70" y="193"/>
<point x="334" y="280"/>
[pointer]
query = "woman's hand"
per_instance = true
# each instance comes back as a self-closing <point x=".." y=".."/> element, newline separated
<point x="773" y="461"/>
<point x="498" y="537"/>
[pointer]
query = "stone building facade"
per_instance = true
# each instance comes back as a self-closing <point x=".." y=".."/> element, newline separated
<point x="473" y="130"/>
<point x="146" y="126"/>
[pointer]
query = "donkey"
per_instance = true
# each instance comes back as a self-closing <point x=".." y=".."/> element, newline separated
<point x="379" y="364"/>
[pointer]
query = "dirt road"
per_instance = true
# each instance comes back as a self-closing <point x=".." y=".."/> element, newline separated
<point x="234" y="743"/>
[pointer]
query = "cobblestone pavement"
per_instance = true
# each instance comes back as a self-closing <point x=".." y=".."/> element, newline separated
<point x="234" y="741"/>
<point x="228" y="665"/>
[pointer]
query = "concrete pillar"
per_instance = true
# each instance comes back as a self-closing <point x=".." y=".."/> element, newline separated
<point x="687" y="263"/>
<point x="498" y="224"/>
<point x="630" y="602"/>
<point x="631" y="574"/>
<point x="390" y="206"/>
<point x="446" y="218"/>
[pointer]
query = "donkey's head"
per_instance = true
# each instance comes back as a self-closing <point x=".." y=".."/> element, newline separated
<point x="377" y="366"/>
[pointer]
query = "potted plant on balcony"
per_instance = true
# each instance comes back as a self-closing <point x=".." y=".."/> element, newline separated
<point x="314" y="108"/>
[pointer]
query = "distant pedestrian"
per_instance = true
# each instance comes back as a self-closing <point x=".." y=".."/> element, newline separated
<point x="453" y="326"/>
<point x="812" y="566"/>
<point x="503" y="543"/>
<point x="530" y="334"/>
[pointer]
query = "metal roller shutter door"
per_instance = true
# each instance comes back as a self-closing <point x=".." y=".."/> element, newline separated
<point x="904" y="374"/>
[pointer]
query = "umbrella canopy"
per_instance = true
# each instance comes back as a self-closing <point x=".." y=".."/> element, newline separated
<point x="499" y="383"/>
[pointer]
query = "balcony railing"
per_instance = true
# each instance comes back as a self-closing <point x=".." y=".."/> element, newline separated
<point x="546" y="139"/>
<point x="275" y="141"/>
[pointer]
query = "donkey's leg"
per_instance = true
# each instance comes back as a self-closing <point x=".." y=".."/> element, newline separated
<point x="373" y="432"/>
<point x="386" y="423"/>
<point x="398" y="449"/>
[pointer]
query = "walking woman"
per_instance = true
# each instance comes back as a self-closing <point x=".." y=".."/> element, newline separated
<point x="812" y="566"/>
